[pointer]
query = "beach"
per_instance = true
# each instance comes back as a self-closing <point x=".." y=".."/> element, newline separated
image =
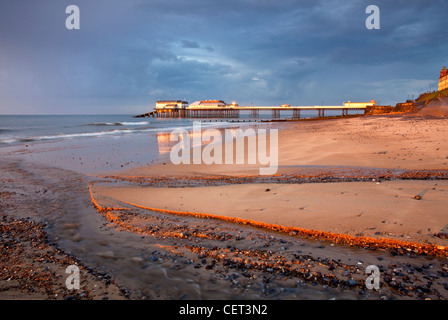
<point x="233" y="158"/>
<point x="389" y="161"/>
<point x="348" y="193"/>
<point x="387" y="210"/>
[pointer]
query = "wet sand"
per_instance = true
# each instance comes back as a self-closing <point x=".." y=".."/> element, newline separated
<point x="373" y="182"/>
<point x="390" y="171"/>
<point x="384" y="142"/>
<point x="139" y="229"/>
<point x="384" y="210"/>
<point x="34" y="268"/>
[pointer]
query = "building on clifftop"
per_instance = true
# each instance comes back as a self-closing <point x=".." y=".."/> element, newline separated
<point x="443" y="80"/>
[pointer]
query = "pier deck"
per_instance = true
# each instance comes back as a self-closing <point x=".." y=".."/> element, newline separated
<point x="234" y="112"/>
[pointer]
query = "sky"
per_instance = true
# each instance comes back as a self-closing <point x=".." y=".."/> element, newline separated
<point x="128" y="54"/>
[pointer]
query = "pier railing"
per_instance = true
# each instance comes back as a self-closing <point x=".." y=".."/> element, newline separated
<point x="253" y="111"/>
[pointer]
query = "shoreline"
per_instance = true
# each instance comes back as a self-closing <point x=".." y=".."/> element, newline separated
<point x="378" y="144"/>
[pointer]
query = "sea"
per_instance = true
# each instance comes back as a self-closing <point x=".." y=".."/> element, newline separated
<point x="92" y="144"/>
<point x="95" y="144"/>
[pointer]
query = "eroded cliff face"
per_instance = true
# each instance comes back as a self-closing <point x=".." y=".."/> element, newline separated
<point x="371" y="110"/>
<point x="436" y="107"/>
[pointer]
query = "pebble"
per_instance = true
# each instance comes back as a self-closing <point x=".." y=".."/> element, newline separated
<point x="442" y="235"/>
<point x="137" y="260"/>
<point x="107" y="254"/>
<point x="352" y="282"/>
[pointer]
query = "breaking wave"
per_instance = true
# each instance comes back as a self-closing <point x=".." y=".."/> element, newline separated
<point x="138" y="128"/>
<point x="64" y="136"/>
<point x="141" y="123"/>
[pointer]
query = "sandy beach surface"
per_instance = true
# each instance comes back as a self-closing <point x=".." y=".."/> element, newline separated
<point x="386" y="142"/>
<point x="348" y="193"/>
<point x="396" y="166"/>
<point x="355" y="208"/>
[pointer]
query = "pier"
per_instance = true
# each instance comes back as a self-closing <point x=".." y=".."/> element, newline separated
<point x="273" y="112"/>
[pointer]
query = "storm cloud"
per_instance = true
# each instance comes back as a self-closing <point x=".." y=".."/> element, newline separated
<point x="128" y="54"/>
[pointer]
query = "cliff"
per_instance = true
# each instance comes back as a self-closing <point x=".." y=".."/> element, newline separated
<point x="432" y="95"/>
<point x="371" y="110"/>
<point x="437" y="107"/>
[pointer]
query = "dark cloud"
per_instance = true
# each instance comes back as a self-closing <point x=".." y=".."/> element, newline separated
<point x="134" y="52"/>
<point x="190" y="44"/>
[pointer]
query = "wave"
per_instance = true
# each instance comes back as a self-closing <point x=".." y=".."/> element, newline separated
<point x="65" y="136"/>
<point x="141" y="123"/>
<point x="14" y="139"/>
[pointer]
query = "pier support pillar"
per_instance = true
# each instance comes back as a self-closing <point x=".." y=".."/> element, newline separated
<point x="296" y="114"/>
